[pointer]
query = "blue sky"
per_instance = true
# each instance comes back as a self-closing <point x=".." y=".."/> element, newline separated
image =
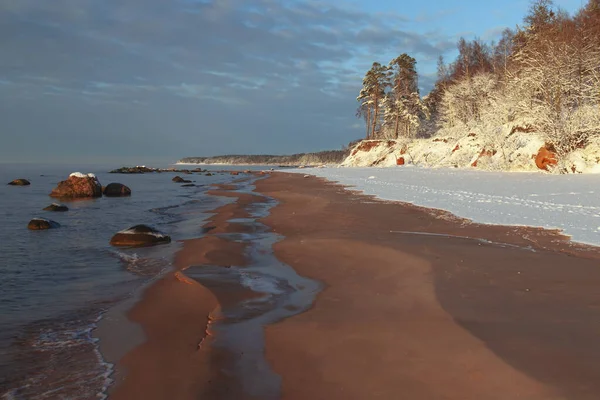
<point x="129" y="81"/>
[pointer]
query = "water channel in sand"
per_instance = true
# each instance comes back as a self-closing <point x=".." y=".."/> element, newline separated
<point x="280" y="293"/>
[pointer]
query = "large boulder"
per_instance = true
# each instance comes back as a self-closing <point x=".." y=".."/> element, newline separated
<point x="546" y="157"/>
<point x="116" y="190"/>
<point x="78" y="185"/>
<point x="38" y="224"/>
<point x="19" y="182"/>
<point x="139" y="235"/>
<point x="56" y="207"/>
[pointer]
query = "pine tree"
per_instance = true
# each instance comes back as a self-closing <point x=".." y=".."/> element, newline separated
<point x="372" y="95"/>
<point x="403" y="103"/>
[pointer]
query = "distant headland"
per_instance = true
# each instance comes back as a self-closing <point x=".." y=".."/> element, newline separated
<point x="318" y="158"/>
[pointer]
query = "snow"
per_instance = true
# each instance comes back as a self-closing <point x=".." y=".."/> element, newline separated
<point x="80" y="175"/>
<point x="131" y="231"/>
<point x="567" y="202"/>
<point x="460" y="148"/>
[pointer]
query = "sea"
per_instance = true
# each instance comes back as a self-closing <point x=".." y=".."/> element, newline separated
<point x="56" y="285"/>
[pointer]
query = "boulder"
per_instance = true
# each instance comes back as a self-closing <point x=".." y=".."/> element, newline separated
<point x="179" y="179"/>
<point x="546" y="157"/>
<point x="38" y="224"/>
<point x="139" y="235"/>
<point x="188" y="185"/>
<point x="208" y="174"/>
<point x="20" y="182"/>
<point x="400" y="161"/>
<point x="78" y="185"/>
<point x="116" y="190"/>
<point x="56" y="207"/>
<point x="234" y="173"/>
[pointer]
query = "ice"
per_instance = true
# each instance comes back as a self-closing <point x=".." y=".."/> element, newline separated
<point x="567" y="202"/>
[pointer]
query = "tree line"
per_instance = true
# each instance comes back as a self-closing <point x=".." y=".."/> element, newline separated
<point x="544" y="75"/>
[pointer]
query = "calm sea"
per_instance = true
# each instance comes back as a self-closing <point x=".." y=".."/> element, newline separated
<point x="55" y="285"/>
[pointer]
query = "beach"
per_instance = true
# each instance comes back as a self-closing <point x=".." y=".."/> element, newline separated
<point x="377" y="299"/>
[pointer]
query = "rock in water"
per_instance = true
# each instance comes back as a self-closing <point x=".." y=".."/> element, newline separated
<point x="139" y="235"/>
<point x="38" y="224"/>
<point x="56" y="207"/>
<point x="20" y="182"/>
<point x="78" y="185"/>
<point x="116" y="190"/>
<point x="188" y="185"/>
<point x="179" y="179"/>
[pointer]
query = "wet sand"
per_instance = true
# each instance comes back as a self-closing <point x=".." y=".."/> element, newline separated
<point x="175" y="361"/>
<point x="414" y="316"/>
<point x="465" y="311"/>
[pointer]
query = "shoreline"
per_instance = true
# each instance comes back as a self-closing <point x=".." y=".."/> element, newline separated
<point x="440" y="316"/>
<point x="456" y="313"/>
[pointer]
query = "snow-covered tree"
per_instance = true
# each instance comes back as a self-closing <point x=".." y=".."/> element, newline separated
<point x="371" y="96"/>
<point x="403" y="108"/>
<point x="462" y="102"/>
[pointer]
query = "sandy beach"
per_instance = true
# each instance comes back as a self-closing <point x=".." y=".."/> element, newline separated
<point x="416" y="304"/>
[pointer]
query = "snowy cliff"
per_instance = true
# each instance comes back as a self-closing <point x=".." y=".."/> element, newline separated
<point x="512" y="149"/>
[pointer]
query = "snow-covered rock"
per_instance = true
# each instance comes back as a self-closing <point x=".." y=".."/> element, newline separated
<point x="78" y="185"/>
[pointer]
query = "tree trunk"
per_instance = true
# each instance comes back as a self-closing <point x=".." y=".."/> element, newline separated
<point x="368" y="122"/>
<point x="375" y="113"/>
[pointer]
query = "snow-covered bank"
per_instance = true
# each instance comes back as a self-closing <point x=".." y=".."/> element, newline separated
<point x="508" y="150"/>
<point x="567" y="202"/>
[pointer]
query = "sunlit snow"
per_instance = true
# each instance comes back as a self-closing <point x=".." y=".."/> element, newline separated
<point x="567" y="202"/>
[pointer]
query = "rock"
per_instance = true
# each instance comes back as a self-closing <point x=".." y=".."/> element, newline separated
<point x="38" y="224"/>
<point x="179" y="179"/>
<point x="546" y="157"/>
<point x="234" y="173"/>
<point x="116" y="190"/>
<point x="484" y="153"/>
<point x="56" y="207"/>
<point x="134" y="170"/>
<point x="78" y="185"/>
<point x="400" y="161"/>
<point x="20" y="182"/>
<point x="139" y="235"/>
<point x="208" y="174"/>
<point x="188" y="185"/>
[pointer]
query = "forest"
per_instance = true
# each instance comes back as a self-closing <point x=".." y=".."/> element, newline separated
<point x="542" y="77"/>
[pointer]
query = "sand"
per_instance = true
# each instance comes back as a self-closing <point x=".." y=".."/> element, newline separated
<point x="403" y="315"/>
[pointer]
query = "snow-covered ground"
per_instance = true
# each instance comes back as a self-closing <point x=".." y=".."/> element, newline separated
<point x="568" y="202"/>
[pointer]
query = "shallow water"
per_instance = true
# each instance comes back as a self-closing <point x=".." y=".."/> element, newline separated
<point x="239" y="328"/>
<point x="56" y="284"/>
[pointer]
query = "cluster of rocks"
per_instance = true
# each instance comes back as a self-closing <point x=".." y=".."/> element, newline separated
<point x="144" y="170"/>
<point x="81" y="186"/>
<point x="76" y="186"/>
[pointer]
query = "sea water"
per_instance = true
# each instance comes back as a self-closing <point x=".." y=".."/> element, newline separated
<point x="55" y="285"/>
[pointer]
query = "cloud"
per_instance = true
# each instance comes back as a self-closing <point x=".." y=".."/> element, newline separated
<point x="289" y="71"/>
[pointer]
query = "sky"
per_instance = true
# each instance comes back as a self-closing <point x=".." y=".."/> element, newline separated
<point x="141" y="80"/>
